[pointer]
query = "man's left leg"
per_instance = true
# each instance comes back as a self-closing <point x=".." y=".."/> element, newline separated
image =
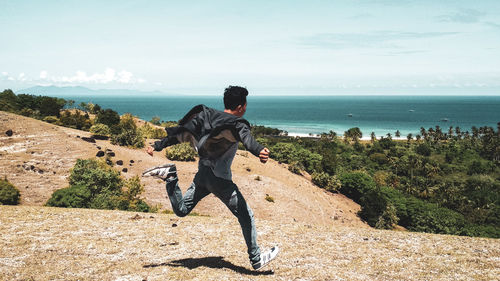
<point x="229" y="194"/>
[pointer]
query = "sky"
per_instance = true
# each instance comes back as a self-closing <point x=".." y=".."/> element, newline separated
<point x="270" y="47"/>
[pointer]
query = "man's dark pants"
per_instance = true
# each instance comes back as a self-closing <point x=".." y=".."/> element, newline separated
<point x="204" y="183"/>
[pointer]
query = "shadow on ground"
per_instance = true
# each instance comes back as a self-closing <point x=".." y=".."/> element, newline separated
<point x="212" y="262"/>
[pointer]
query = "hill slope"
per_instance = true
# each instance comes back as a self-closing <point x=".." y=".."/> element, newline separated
<point x="38" y="156"/>
<point x="40" y="243"/>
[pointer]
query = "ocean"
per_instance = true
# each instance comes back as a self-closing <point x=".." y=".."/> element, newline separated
<point x="304" y="115"/>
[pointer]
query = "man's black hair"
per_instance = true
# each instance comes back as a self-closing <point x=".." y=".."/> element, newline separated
<point x="234" y="96"/>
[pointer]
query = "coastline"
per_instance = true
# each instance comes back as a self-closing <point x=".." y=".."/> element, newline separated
<point x="317" y="136"/>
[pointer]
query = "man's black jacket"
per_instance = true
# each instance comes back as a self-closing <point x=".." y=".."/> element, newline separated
<point x="211" y="132"/>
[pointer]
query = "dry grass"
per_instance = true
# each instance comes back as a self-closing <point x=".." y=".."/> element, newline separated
<point x="41" y="243"/>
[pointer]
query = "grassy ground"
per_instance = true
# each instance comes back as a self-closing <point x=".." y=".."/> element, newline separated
<point x="40" y="243"/>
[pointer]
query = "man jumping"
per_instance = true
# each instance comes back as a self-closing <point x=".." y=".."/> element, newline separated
<point x="215" y="136"/>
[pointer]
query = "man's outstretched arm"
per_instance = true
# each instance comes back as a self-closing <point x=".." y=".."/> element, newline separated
<point x="161" y="144"/>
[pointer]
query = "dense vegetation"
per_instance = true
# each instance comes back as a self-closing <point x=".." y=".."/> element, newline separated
<point x="439" y="182"/>
<point x="9" y="194"/>
<point x="88" y="117"/>
<point x="94" y="184"/>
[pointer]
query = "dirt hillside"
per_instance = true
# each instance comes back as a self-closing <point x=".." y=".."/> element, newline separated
<point x="320" y="236"/>
<point x="37" y="157"/>
<point x="41" y="243"/>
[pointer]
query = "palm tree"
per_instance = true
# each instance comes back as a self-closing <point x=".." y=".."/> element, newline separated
<point x="450" y="131"/>
<point x="475" y="132"/>
<point x="458" y="132"/>
<point x="397" y="134"/>
<point x="418" y="138"/>
<point x="389" y="136"/>
<point x="409" y="137"/>
<point x="332" y="134"/>
<point x="373" y="137"/>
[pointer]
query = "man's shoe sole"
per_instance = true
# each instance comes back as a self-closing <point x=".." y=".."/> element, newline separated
<point x="157" y="167"/>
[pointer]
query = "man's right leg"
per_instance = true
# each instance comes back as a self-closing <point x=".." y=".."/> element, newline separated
<point x="182" y="205"/>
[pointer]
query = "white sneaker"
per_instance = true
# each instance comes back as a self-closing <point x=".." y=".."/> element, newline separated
<point x="266" y="258"/>
<point x="162" y="172"/>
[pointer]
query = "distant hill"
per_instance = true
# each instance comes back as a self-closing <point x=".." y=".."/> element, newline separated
<point x="79" y="91"/>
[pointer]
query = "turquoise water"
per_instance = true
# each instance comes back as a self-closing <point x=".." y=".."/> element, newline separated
<point x="306" y="114"/>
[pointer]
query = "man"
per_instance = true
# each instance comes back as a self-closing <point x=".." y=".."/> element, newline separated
<point x="215" y="135"/>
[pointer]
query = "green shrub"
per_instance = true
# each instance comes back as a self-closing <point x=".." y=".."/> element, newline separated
<point x="100" y="130"/>
<point x="379" y="158"/>
<point x="127" y="133"/>
<point x="50" y="119"/>
<point x="388" y="219"/>
<point x="108" y="117"/>
<point x="151" y="132"/>
<point x="423" y="149"/>
<point x="96" y="176"/>
<point x="355" y="184"/>
<point x="181" y="152"/>
<point x="9" y="194"/>
<point x="288" y="153"/>
<point x="324" y="180"/>
<point x="295" y="168"/>
<point x="76" y="196"/>
<point x="128" y="138"/>
<point x="93" y="184"/>
<point x="75" y="120"/>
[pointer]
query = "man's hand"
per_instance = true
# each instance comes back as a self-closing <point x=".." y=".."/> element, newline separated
<point x="149" y="150"/>
<point x="264" y="155"/>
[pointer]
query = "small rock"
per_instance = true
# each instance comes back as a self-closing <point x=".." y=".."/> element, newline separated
<point x="40" y="171"/>
<point x="9" y="133"/>
<point x="100" y="153"/>
<point x="110" y="154"/>
<point x="91" y="139"/>
<point x="119" y="162"/>
<point x="136" y="217"/>
<point x="248" y="169"/>
<point x="132" y="161"/>
<point x="124" y="170"/>
<point x="78" y="136"/>
<point x="98" y="147"/>
<point x="174" y="225"/>
<point x="54" y="172"/>
<point x="32" y="167"/>
<point x="109" y="162"/>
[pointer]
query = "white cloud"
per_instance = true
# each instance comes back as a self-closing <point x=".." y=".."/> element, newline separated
<point x="22" y="77"/>
<point x="124" y="76"/>
<point x="109" y="75"/>
<point x="43" y="74"/>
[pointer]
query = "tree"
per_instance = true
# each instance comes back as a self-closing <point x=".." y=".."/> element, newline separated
<point x="409" y="137"/>
<point x="108" y="117"/>
<point x="353" y="134"/>
<point x="397" y="134"/>
<point x="373" y="138"/>
<point x="51" y="106"/>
